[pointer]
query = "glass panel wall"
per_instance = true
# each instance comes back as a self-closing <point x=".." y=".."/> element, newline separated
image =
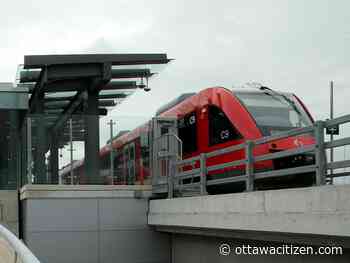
<point x="10" y="154"/>
<point x="57" y="154"/>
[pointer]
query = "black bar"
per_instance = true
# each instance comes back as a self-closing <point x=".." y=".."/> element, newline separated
<point x="54" y="160"/>
<point x="92" y="137"/>
<point x="65" y="86"/>
<point x="115" y="85"/>
<point x="12" y="174"/>
<point x="29" y="75"/>
<point x="24" y="143"/>
<point x="77" y="85"/>
<point x="49" y="99"/>
<point x="41" y="145"/>
<point x="112" y="96"/>
<point x="38" y="94"/>
<point x="63" y="105"/>
<point x="38" y="61"/>
<point x="107" y="103"/>
<point x="130" y="73"/>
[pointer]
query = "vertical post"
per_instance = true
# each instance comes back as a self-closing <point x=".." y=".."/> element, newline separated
<point x="320" y="153"/>
<point x="47" y="171"/>
<point x="203" y="174"/>
<point x="10" y="181"/>
<point x="29" y="150"/>
<point x="41" y="142"/>
<point x="171" y="174"/>
<point x="92" y="139"/>
<point x="345" y="156"/>
<point x="60" y="179"/>
<point x="111" y="123"/>
<point x="54" y="159"/>
<point x="331" y="136"/>
<point x="23" y="150"/>
<point x="249" y="167"/>
<point x="71" y="150"/>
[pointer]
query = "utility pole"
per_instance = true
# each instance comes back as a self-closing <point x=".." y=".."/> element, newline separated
<point x="331" y="136"/>
<point x="111" y="123"/>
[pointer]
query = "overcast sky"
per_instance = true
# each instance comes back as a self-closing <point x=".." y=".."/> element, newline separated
<point x="296" y="45"/>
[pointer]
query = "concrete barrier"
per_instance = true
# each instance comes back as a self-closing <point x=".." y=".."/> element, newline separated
<point x="321" y="210"/>
<point x="91" y="224"/>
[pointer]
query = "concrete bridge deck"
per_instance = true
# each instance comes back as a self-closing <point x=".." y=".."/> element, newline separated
<point x="313" y="215"/>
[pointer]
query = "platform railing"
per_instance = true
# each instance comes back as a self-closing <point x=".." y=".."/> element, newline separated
<point x="12" y="250"/>
<point x="168" y="142"/>
<point x="192" y="168"/>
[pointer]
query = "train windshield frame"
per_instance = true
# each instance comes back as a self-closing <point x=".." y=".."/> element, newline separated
<point x="274" y="112"/>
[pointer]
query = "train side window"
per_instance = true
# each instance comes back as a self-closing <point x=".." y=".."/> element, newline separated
<point x="118" y="161"/>
<point x="220" y="127"/>
<point x="145" y="156"/>
<point x="132" y="152"/>
<point x="126" y="161"/>
<point x="188" y="132"/>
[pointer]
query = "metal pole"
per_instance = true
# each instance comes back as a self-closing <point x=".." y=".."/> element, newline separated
<point x="111" y="123"/>
<point x="54" y="159"/>
<point x="249" y="168"/>
<point x="60" y="181"/>
<point x="344" y="156"/>
<point x="203" y="174"/>
<point x="320" y="153"/>
<point x="48" y="181"/>
<point x="29" y="150"/>
<point x="331" y="137"/>
<point x="71" y="150"/>
<point x="171" y="170"/>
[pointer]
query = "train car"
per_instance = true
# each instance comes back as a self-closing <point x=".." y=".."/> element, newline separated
<point x="77" y="169"/>
<point x="131" y="158"/>
<point x="216" y="118"/>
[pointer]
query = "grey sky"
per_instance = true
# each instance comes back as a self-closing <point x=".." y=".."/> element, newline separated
<point x="294" y="45"/>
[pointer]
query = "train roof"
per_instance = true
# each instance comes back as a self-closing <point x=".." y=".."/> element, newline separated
<point x="174" y="102"/>
<point x="185" y="96"/>
<point x="256" y="90"/>
<point x="121" y="133"/>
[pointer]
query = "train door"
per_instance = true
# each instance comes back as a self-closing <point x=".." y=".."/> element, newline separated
<point x="129" y="163"/>
<point x="165" y="145"/>
<point x="221" y="134"/>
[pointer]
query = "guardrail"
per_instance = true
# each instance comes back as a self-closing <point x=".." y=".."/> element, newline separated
<point x="166" y="142"/>
<point x="320" y="166"/>
<point x="14" y="247"/>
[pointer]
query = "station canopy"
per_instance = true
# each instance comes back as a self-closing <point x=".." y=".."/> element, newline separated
<point x="61" y="86"/>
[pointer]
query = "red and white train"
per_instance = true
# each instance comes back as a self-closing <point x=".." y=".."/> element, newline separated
<point x="209" y="120"/>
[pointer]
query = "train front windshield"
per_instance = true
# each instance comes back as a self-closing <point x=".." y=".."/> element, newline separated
<point x="274" y="112"/>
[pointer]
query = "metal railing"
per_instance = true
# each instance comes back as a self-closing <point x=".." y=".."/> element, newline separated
<point x="17" y="252"/>
<point x="200" y="168"/>
<point x="168" y="143"/>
